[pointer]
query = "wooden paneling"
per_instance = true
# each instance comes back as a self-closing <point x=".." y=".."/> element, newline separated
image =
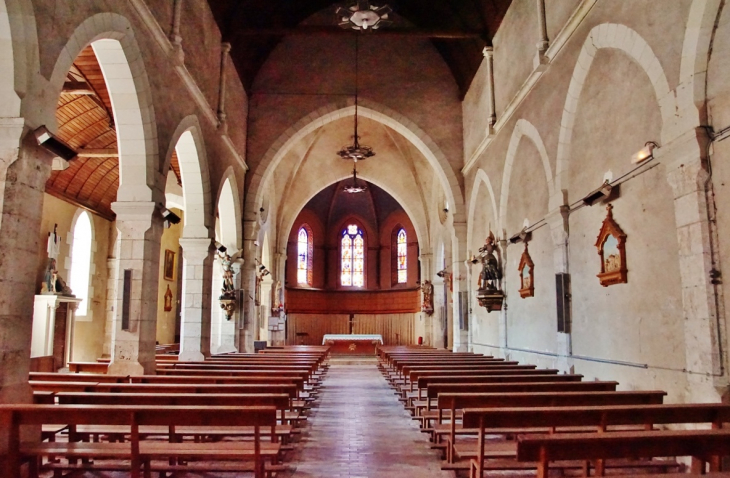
<point x="303" y="301"/>
<point x="308" y="329"/>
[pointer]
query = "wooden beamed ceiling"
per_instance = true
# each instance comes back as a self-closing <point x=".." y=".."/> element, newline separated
<point x="85" y="122"/>
<point x="458" y="29"/>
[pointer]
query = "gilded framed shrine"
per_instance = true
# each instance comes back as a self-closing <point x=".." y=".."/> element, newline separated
<point x="611" y="245"/>
<point x="527" y="275"/>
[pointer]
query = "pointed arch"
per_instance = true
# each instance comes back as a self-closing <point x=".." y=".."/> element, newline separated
<point x="112" y="37"/>
<point x="82" y="256"/>
<point x="407" y="128"/>
<point x="229" y="211"/>
<point x="480" y="178"/>
<point x="620" y="37"/>
<point x="187" y="142"/>
<point x="523" y="128"/>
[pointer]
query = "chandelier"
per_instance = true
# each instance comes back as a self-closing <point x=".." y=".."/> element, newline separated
<point x="361" y="16"/>
<point x="355" y="187"/>
<point x="356" y="151"/>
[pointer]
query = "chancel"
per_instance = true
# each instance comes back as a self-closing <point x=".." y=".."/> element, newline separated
<point x="389" y="238"/>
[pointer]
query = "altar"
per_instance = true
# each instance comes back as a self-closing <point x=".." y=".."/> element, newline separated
<point x="352" y="344"/>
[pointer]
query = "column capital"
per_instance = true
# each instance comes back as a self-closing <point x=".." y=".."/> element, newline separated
<point x="488" y="52"/>
<point x="133" y="210"/>
<point x="196" y="249"/>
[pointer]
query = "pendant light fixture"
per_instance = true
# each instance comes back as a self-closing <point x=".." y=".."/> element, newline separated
<point x="355" y="187"/>
<point x="362" y="16"/>
<point x="356" y="151"/>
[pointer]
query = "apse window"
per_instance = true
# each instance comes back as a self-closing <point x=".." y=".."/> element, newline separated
<point x="353" y="257"/>
<point x="81" y="261"/>
<point x="402" y="258"/>
<point x="304" y="256"/>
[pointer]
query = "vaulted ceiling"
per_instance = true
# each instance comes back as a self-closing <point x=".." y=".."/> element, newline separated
<point x="459" y="29"/>
<point x="85" y="123"/>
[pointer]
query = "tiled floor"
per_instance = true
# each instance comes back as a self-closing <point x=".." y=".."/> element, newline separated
<point x="360" y="429"/>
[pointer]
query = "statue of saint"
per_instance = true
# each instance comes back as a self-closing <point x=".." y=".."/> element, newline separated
<point x="427" y="303"/>
<point x="491" y="271"/>
<point x="226" y="264"/>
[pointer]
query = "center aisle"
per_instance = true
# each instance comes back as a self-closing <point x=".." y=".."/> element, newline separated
<point x="360" y="429"/>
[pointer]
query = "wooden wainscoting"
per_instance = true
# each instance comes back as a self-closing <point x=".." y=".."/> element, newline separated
<point x="308" y="329"/>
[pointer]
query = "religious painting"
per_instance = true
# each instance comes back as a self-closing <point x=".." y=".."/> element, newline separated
<point x="168" y="299"/>
<point x="169" y="266"/>
<point x="527" y="275"/>
<point x="611" y="245"/>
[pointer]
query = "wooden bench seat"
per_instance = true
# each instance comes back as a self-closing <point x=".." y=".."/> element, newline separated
<point x="612" y="418"/>
<point x="702" y="445"/>
<point x="458" y="401"/>
<point x="137" y="451"/>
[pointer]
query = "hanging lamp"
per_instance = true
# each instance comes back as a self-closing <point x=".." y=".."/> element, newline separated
<point x="356" y="151"/>
<point x="362" y="16"/>
<point x="355" y="187"/>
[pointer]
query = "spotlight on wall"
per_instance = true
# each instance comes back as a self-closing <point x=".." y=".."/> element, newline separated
<point x="170" y="216"/>
<point x="600" y="193"/>
<point x="647" y="152"/>
<point x="55" y="146"/>
<point x="442" y="273"/>
<point x="220" y="247"/>
<point x="523" y="236"/>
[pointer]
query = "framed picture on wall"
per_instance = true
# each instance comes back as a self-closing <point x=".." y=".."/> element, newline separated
<point x="169" y="269"/>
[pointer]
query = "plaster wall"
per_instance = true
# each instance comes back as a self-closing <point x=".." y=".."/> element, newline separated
<point x="166" y="320"/>
<point x="88" y="337"/>
<point x="304" y="74"/>
<point x="642" y="322"/>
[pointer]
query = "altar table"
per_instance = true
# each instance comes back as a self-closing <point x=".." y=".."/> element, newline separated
<point x="352" y="344"/>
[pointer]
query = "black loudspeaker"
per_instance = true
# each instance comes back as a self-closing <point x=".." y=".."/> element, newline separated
<point x="259" y="345"/>
<point x="562" y="296"/>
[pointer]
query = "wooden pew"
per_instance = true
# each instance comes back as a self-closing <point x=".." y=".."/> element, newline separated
<point x="702" y="445"/>
<point x="90" y="367"/>
<point x="451" y="402"/>
<point x="600" y="418"/>
<point x="412" y="376"/>
<point x="80" y="377"/>
<point x="140" y="453"/>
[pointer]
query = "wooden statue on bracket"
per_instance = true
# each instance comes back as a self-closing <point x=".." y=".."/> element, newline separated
<point x="527" y="274"/>
<point x="611" y="244"/>
<point x="489" y="292"/>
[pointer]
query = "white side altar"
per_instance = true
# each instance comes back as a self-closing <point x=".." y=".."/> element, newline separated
<point x="44" y="327"/>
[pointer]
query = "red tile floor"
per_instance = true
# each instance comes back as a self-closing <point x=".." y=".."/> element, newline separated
<point x="360" y="429"/>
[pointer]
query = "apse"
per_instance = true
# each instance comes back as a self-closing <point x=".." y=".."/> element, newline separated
<point x="352" y="257"/>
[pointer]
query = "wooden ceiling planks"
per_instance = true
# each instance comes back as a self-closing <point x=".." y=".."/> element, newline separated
<point x="85" y="123"/>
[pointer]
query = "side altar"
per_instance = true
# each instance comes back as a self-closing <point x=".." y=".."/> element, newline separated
<point x="352" y="344"/>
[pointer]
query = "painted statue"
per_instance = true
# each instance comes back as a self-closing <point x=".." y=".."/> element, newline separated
<point x="427" y="303"/>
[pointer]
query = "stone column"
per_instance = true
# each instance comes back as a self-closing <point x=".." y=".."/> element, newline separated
<point x="427" y="274"/>
<point x="458" y="270"/>
<point x="140" y="229"/>
<point x="248" y="283"/>
<point x="705" y="335"/>
<point x="503" y="314"/>
<point x="23" y="174"/>
<point x="112" y="266"/>
<point x="175" y="36"/>
<point x="557" y="220"/>
<point x="196" y="300"/>
<point x="489" y="55"/>
<point x="543" y="43"/>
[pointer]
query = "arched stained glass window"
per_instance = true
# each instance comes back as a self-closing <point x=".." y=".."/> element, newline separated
<point x="353" y="257"/>
<point x="81" y="261"/>
<point x="304" y="256"/>
<point x="402" y="258"/>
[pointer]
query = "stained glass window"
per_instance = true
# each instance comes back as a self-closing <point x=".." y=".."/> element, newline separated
<point x="402" y="250"/>
<point x="305" y="249"/>
<point x="353" y="257"/>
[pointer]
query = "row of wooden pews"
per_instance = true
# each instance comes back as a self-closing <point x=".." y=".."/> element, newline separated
<point x="231" y="413"/>
<point x="486" y="414"/>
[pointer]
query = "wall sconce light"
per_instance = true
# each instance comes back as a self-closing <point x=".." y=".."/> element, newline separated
<point x="53" y="145"/>
<point x="169" y="216"/>
<point x="523" y="236"/>
<point x="647" y="152"/>
<point x="600" y="193"/>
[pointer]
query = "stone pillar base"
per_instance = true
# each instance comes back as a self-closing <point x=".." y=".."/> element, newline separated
<point x="191" y="356"/>
<point x="128" y="367"/>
